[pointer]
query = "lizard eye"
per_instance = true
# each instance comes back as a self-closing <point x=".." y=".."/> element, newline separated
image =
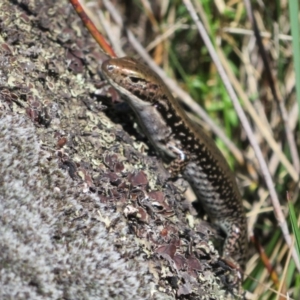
<point x="134" y="79"/>
<point x="110" y="68"/>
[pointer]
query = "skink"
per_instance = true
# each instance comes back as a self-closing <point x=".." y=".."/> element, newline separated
<point x="187" y="149"/>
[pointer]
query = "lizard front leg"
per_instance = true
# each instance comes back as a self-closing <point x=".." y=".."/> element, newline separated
<point x="180" y="161"/>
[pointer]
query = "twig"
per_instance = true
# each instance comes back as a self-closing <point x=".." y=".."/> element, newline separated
<point x="105" y="47"/>
<point x="165" y="35"/>
<point x="115" y="41"/>
<point x="243" y="31"/>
